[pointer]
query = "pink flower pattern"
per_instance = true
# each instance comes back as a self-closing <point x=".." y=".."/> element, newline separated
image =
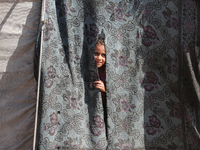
<point x="98" y="127"/>
<point x="125" y="125"/>
<point x="73" y="102"/>
<point x="54" y="118"/>
<point x="124" y="105"/>
<point x="72" y="143"/>
<point x="96" y="132"/>
<point x="52" y="130"/>
<point x="48" y="83"/>
<point x="174" y="22"/>
<point x="150" y="81"/>
<point x="99" y="122"/>
<point x="51" y="72"/>
<point x="149" y="32"/>
<point x="119" y="15"/>
<point x="151" y="131"/>
<point x="153" y="126"/>
<point x="149" y="36"/>
<point x="154" y="121"/>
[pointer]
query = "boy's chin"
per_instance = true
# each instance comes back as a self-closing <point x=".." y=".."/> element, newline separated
<point x="99" y="65"/>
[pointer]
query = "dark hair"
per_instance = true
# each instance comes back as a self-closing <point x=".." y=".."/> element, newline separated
<point x="100" y="42"/>
<point x="101" y="38"/>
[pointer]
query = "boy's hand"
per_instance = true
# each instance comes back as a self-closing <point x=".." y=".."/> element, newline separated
<point x="100" y="85"/>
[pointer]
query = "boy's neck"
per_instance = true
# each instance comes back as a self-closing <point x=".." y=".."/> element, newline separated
<point x="101" y="70"/>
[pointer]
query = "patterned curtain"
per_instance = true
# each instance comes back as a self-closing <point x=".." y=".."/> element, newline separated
<point x="152" y="75"/>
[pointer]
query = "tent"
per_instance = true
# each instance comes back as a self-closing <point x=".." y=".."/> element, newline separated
<point x="47" y="98"/>
<point x="19" y="21"/>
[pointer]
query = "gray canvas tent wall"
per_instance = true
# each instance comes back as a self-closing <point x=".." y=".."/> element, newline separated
<point x="153" y="87"/>
<point x="18" y="30"/>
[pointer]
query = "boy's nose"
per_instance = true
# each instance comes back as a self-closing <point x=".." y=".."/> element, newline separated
<point x="99" y="57"/>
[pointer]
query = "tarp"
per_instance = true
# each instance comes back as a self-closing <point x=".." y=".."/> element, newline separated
<point x="18" y="30"/>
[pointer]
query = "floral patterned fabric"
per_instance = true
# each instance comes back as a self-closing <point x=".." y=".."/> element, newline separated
<point x="152" y="75"/>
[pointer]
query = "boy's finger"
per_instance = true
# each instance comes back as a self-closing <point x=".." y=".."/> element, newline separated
<point x="98" y="86"/>
<point x="98" y="83"/>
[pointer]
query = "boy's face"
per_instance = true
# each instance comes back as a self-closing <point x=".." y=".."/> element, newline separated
<point x="100" y="55"/>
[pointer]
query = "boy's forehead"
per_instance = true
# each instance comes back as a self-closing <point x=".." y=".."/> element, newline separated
<point x="100" y="48"/>
<point x="99" y="44"/>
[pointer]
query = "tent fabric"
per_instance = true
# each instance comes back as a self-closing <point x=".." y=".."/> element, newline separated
<point x="152" y="75"/>
<point x="18" y="31"/>
<point x="153" y="91"/>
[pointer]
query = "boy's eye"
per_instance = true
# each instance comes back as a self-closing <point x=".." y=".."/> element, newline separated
<point x="104" y="55"/>
<point x="96" y="54"/>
